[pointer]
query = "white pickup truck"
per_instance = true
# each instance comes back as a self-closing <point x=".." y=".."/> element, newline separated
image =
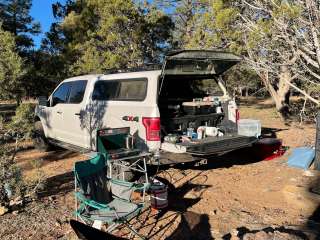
<point x="183" y="94"/>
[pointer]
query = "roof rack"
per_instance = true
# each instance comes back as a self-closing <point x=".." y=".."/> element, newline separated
<point x="147" y="67"/>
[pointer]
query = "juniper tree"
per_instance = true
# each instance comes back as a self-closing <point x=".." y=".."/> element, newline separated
<point x="92" y="36"/>
<point x="16" y="18"/>
<point x="11" y="68"/>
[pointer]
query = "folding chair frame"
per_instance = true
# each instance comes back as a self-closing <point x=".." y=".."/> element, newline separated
<point x="119" y="220"/>
<point x="135" y="166"/>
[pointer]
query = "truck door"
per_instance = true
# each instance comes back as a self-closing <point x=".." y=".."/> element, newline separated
<point x="53" y="120"/>
<point x="72" y="129"/>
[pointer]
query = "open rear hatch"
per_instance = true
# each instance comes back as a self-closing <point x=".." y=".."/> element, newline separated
<point x="196" y="65"/>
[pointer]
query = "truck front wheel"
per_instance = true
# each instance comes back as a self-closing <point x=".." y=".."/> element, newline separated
<point x="40" y="141"/>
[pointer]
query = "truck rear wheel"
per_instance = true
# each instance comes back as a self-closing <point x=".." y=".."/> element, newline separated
<point x="40" y="141"/>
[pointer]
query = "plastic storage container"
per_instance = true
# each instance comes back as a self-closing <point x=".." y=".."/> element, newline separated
<point x="249" y="127"/>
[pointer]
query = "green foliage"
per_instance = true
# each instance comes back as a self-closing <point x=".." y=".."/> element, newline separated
<point x="18" y="129"/>
<point x="290" y="11"/>
<point x="11" y="68"/>
<point x="22" y="123"/>
<point x="213" y="26"/>
<point x="242" y="77"/>
<point x="118" y="38"/>
<point x="38" y="179"/>
<point x="97" y="35"/>
<point x="10" y="175"/>
<point x="44" y="71"/>
<point x="16" y="19"/>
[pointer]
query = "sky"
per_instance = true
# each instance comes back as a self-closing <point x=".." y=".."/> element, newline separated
<point x="41" y="11"/>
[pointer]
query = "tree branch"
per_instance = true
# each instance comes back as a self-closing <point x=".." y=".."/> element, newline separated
<point x="303" y="92"/>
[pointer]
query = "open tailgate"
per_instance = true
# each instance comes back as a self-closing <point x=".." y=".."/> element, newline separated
<point x="215" y="145"/>
<point x="201" y="63"/>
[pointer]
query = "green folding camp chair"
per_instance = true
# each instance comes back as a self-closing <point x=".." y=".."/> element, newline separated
<point x="101" y="199"/>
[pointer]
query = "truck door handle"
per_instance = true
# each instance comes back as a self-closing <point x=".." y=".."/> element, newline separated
<point x="59" y="112"/>
<point x="78" y="114"/>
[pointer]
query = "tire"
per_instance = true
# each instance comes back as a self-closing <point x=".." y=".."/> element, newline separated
<point x="40" y="141"/>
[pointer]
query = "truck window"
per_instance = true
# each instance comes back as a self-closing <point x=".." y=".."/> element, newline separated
<point x="105" y="90"/>
<point x="179" y="88"/>
<point x="132" y="90"/>
<point x="77" y="91"/>
<point x="120" y="90"/>
<point x="210" y="87"/>
<point x="61" y="94"/>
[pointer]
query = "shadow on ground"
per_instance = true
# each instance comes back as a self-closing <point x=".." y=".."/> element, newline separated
<point x="269" y="233"/>
<point x="58" y="185"/>
<point x="313" y="223"/>
<point x="191" y="225"/>
<point x="59" y="155"/>
<point x="26" y="164"/>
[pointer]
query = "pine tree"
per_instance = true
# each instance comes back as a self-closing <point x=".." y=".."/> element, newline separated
<point x="10" y="68"/>
<point x="95" y="35"/>
<point x="15" y="17"/>
<point x="185" y="14"/>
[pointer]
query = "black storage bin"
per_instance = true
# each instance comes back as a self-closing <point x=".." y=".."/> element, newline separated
<point x="192" y="110"/>
<point x="198" y="109"/>
<point x="207" y="109"/>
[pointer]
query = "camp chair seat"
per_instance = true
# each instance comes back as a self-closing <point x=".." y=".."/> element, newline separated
<point x="118" y="209"/>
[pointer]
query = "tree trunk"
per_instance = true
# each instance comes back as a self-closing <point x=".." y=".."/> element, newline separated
<point x="247" y="92"/>
<point x="281" y="96"/>
<point x="240" y="91"/>
<point x="283" y="93"/>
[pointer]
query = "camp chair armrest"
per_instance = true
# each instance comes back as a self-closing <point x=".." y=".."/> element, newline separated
<point x="122" y="183"/>
<point x="92" y="203"/>
<point x="129" y="184"/>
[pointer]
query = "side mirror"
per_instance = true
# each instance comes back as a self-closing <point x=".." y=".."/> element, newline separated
<point x="43" y="101"/>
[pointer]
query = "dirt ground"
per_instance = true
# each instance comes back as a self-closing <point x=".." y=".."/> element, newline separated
<point x="232" y="196"/>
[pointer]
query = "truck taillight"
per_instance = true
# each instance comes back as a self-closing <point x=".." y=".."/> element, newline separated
<point x="237" y="115"/>
<point x="153" y="128"/>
